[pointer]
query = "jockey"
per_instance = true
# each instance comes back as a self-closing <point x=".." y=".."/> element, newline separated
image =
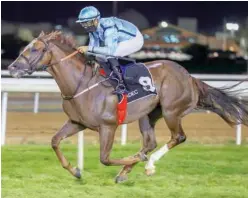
<point x="111" y="37"/>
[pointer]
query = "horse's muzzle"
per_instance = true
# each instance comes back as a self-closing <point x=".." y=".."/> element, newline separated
<point x="17" y="69"/>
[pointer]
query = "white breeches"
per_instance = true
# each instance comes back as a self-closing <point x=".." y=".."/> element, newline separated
<point x="128" y="47"/>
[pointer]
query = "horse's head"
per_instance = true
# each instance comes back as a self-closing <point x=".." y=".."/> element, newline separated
<point x="32" y="58"/>
<point x="36" y="55"/>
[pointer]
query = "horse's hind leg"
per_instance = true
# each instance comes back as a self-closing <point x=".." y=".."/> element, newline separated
<point x="146" y="125"/>
<point x="174" y="106"/>
<point x="67" y="130"/>
<point x="177" y="136"/>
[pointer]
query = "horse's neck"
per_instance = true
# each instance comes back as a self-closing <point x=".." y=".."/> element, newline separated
<point x="68" y="73"/>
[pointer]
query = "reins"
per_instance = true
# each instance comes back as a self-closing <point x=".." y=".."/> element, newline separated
<point x="44" y="68"/>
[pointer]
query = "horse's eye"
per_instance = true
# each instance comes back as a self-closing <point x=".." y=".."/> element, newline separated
<point x="33" y="50"/>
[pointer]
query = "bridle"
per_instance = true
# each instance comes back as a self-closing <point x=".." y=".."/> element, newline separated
<point x="32" y="66"/>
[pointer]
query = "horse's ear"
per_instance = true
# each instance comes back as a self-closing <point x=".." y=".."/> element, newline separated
<point x="41" y="34"/>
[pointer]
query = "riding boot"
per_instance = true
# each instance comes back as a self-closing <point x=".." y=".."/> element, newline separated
<point x="121" y="88"/>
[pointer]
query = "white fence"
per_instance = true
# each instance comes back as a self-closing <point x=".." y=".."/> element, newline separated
<point x="37" y="86"/>
<point x="200" y="76"/>
<point x="209" y="78"/>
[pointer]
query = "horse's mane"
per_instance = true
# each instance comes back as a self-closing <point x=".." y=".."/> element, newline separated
<point x="60" y="37"/>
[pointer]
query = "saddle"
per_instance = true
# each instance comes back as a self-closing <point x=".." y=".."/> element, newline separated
<point x="136" y="76"/>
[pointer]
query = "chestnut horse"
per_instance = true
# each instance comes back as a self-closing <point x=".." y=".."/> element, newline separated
<point x="90" y="104"/>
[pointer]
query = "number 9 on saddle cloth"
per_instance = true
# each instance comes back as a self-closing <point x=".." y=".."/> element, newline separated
<point x="137" y="78"/>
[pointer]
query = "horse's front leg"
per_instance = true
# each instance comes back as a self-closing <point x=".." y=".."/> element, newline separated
<point x="146" y="126"/>
<point x="107" y="133"/>
<point x="67" y="130"/>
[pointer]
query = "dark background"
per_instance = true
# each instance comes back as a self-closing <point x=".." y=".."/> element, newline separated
<point x="210" y="16"/>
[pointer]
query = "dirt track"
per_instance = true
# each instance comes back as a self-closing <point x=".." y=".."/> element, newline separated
<point x="39" y="128"/>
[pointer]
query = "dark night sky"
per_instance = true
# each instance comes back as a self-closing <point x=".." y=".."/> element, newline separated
<point x="210" y="15"/>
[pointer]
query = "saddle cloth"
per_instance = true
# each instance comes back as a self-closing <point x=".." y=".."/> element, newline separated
<point x="136" y="76"/>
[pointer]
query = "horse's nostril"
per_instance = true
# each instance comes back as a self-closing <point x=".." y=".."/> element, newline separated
<point x="11" y="67"/>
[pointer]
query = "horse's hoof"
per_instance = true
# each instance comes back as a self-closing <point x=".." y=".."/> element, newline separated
<point x="120" y="179"/>
<point x="77" y="173"/>
<point x="150" y="172"/>
<point x="143" y="157"/>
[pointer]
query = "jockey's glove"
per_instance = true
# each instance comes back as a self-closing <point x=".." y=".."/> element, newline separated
<point x="83" y="49"/>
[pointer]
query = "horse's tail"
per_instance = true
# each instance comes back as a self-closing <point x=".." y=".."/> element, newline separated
<point x="222" y="101"/>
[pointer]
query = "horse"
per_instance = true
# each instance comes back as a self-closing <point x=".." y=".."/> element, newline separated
<point x="89" y="103"/>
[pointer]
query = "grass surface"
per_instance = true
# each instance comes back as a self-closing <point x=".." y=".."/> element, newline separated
<point x="189" y="170"/>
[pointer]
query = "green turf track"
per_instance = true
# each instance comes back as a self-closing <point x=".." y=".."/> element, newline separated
<point x="190" y="170"/>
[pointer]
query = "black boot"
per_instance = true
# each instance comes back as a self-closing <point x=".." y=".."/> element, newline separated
<point x="121" y="88"/>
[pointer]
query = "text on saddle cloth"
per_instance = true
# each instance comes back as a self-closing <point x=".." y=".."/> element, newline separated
<point x="137" y="78"/>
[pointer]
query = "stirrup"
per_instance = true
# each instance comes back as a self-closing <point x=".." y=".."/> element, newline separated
<point x="120" y="89"/>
